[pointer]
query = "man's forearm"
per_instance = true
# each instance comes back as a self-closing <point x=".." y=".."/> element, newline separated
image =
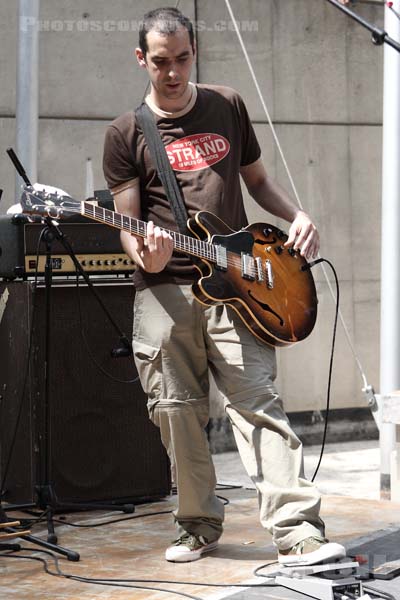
<point x="129" y="246"/>
<point x="273" y="198"/>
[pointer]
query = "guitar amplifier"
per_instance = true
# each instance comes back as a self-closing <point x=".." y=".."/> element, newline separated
<point x="102" y="445"/>
<point x="96" y="246"/>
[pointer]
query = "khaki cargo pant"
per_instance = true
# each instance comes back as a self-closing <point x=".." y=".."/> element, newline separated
<point x="175" y="341"/>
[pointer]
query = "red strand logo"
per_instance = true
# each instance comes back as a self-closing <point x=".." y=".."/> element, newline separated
<point x="196" y="152"/>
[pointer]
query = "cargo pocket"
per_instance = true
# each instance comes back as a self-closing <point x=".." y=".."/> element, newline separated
<point x="149" y="366"/>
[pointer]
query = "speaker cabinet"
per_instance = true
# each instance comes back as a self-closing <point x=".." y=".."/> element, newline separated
<point x="92" y="439"/>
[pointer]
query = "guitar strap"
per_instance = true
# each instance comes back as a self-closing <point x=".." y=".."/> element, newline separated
<point x="159" y="155"/>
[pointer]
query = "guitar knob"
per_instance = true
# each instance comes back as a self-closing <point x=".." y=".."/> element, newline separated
<point x="279" y="249"/>
<point x="292" y="252"/>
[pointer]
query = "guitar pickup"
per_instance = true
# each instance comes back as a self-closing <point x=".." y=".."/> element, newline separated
<point x="269" y="274"/>
<point x="260" y="274"/>
<point x="248" y="267"/>
<point x="221" y="258"/>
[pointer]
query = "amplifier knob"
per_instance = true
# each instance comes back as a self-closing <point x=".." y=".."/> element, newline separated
<point x="114" y="262"/>
<point x="92" y="262"/>
<point x="107" y="262"/>
<point x="84" y="263"/>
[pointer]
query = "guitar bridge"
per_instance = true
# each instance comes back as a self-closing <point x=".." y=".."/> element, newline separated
<point x="248" y="267"/>
<point x="269" y="274"/>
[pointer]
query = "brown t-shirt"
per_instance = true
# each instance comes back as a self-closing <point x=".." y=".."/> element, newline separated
<point x="206" y="147"/>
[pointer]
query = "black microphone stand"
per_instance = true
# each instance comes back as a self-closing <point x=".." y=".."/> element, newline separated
<point x="69" y="554"/>
<point x="46" y="496"/>
<point x="379" y="36"/>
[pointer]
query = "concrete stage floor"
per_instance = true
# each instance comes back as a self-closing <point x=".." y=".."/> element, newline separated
<point x="134" y="548"/>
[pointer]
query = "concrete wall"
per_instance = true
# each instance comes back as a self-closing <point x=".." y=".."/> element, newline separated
<point x="322" y="81"/>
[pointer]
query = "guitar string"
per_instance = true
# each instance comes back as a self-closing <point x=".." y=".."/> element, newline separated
<point x="293" y="186"/>
<point x="206" y="250"/>
<point x="187" y="244"/>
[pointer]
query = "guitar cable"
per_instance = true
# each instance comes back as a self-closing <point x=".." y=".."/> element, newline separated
<point x="307" y="267"/>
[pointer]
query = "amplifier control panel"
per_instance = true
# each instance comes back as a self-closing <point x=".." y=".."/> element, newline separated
<point x="94" y="263"/>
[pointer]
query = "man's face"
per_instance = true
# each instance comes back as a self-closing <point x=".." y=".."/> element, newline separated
<point x="168" y="62"/>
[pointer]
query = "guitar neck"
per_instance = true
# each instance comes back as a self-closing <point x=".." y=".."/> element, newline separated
<point x="182" y="243"/>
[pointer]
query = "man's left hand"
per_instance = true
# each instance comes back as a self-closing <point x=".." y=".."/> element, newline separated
<point x="303" y="236"/>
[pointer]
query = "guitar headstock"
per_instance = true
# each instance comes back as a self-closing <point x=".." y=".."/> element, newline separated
<point x="35" y="201"/>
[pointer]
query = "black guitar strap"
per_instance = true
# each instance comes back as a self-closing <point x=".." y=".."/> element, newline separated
<point x="159" y="155"/>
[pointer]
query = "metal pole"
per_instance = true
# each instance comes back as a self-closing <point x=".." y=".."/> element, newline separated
<point x="27" y="109"/>
<point x="390" y="259"/>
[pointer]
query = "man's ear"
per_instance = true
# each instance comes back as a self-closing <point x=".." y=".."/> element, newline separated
<point x="140" y="57"/>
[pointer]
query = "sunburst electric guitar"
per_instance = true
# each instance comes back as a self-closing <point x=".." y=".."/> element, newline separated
<point x="268" y="285"/>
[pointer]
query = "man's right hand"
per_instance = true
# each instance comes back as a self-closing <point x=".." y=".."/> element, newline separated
<point x="155" y="251"/>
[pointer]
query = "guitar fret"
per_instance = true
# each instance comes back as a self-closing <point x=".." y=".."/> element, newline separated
<point x="253" y="265"/>
<point x="185" y="243"/>
<point x="99" y="213"/>
<point x="126" y="223"/>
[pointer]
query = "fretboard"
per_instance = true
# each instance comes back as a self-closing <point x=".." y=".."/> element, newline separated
<point x="182" y="243"/>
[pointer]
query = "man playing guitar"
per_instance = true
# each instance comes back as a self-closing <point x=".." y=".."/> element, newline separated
<point x="210" y="140"/>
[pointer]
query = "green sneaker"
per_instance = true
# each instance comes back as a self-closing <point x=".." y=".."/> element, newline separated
<point x="311" y="551"/>
<point x="188" y="548"/>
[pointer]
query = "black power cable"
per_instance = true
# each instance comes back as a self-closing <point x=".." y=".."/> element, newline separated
<point x="128" y="583"/>
<point x="59" y="573"/>
<point x="88" y="348"/>
<point x="37" y="519"/>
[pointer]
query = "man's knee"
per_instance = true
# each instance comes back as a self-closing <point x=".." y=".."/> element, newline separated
<point x="178" y="411"/>
<point x="268" y="403"/>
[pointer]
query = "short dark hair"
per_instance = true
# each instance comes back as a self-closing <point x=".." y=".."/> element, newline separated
<point x="165" y="20"/>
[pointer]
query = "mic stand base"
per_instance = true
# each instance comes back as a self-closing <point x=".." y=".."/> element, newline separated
<point x="69" y="554"/>
<point x="47" y="501"/>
